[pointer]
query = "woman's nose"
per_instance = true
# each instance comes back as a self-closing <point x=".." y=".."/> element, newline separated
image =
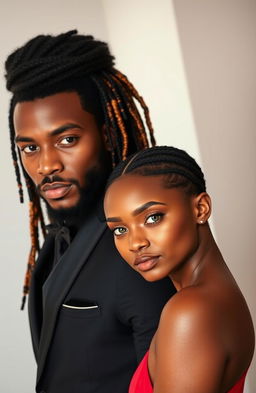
<point x="138" y="241"/>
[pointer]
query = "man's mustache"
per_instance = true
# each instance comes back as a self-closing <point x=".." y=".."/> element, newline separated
<point x="55" y="179"/>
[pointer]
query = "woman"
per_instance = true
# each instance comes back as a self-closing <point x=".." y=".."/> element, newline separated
<point x="158" y="209"/>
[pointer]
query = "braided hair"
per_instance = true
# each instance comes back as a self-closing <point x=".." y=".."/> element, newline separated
<point x="47" y="65"/>
<point x="178" y="168"/>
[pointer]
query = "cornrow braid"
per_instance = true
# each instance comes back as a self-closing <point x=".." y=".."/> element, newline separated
<point x="177" y="167"/>
<point x="47" y="65"/>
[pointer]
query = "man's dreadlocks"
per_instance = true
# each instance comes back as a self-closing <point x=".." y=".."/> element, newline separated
<point x="46" y="65"/>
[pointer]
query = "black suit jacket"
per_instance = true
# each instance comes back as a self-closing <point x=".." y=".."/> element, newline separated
<point x="91" y="317"/>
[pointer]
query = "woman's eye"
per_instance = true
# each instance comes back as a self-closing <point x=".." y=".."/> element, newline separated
<point x="68" y="140"/>
<point x="119" y="231"/>
<point x="154" y="218"/>
<point x="29" y="148"/>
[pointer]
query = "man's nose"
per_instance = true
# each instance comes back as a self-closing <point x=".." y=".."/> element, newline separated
<point x="138" y="241"/>
<point x="49" y="163"/>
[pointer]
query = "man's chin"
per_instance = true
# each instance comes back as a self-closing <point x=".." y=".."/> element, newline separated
<point x="73" y="210"/>
<point x="61" y="204"/>
<point x="63" y="213"/>
<point x="71" y="213"/>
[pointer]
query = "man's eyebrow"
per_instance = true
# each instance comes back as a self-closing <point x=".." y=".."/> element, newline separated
<point x="137" y="211"/>
<point x="23" y="139"/>
<point x="55" y="132"/>
<point x="64" y="128"/>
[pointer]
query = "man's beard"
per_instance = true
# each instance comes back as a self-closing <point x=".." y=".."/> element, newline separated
<point x="90" y="195"/>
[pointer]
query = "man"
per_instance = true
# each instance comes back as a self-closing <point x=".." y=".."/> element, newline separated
<point x="72" y="118"/>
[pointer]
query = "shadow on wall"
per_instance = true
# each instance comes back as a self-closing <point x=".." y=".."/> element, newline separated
<point x="218" y="45"/>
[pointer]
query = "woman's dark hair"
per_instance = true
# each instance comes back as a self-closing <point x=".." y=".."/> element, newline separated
<point x="47" y="65"/>
<point x="176" y="166"/>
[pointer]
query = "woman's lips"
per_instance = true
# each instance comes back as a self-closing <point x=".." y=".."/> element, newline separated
<point x="56" y="190"/>
<point x="145" y="263"/>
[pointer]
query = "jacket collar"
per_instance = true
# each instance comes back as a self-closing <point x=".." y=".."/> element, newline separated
<point x="42" y="269"/>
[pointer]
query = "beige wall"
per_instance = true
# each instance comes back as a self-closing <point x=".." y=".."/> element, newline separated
<point x="218" y="45"/>
<point x="193" y="61"/>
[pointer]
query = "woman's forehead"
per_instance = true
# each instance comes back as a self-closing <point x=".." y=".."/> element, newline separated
<point x="136" y="189"/>
<point x="137" y="181"/>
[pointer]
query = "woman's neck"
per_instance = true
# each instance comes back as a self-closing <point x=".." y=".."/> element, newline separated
<point x="189" y="272"/>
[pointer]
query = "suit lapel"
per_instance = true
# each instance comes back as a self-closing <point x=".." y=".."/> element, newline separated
<point x="61" y="279"/>
<point x="42" y="269"/>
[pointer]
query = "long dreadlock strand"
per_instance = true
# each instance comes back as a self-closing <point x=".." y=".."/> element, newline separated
<point x="142" y="103"/>
<point x="121" y="127"/>
<point x="132" y="109"/>
<point x="107" y="119"/>
<point x="115" y="103"/>
<point x="13" y="151"/>
<point x="35" y="216"/>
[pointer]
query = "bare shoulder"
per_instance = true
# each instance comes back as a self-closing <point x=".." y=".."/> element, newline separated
<point x="190" y="312"/>
<point x="188" y="337"/>
<point x="195" y="335"/>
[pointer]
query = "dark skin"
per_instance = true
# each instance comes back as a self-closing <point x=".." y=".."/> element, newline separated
<point x="59" y="143"/>
<point x="200" y="345"/>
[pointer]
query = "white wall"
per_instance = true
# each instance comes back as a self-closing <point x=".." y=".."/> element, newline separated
<point x="162" y="63"/>
<point x="144" y="39"/>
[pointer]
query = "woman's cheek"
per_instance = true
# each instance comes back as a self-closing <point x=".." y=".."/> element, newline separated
<point x="123" y="250"/>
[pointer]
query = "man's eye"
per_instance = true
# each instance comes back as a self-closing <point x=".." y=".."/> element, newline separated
<point x="68" y="140"/>
<point x="119" y="231"/>
<point x="154" y="218"/>
<point x="29" y="148"/>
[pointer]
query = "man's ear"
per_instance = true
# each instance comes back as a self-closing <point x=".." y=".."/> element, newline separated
<point x="203" y="207"/>
<point x="107" y="143"/>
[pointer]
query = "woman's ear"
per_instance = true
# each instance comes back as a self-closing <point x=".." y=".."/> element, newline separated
<point x="203" y="207"/>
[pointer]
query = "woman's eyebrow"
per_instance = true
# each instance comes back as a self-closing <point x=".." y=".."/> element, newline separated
<point x="146" y="206"/>
<point x="113" y="219"/>
<point x="137" y="211"/>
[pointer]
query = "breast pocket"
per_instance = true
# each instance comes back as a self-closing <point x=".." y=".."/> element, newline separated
<point x="81" y="309"/>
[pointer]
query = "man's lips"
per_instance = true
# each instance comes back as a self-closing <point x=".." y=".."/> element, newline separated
<point x="55" y="190"/>
<point x="146" y="262"/>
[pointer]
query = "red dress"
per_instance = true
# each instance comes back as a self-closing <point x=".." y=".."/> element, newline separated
<point x="141" y="383"/>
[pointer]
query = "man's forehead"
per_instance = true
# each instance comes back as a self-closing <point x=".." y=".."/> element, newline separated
<point x="49" y="112"/>
<point x="56" y="100"/>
